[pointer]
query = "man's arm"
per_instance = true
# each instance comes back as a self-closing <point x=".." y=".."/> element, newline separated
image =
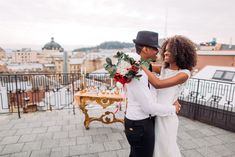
<point x="149" y="105"/>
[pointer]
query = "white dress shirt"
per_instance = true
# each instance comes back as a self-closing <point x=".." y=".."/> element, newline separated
<point x="141" y="100"/>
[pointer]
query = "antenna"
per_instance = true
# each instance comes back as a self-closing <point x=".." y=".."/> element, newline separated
<point x="230" y="43"/>
<point x="165" y="30"/>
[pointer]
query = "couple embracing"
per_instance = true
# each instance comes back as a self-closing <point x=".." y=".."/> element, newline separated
<point x="151" y="121"/>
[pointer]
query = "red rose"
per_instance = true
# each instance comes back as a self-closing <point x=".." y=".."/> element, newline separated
<point x="120" y="78"/>
<point x="134" y="68"/>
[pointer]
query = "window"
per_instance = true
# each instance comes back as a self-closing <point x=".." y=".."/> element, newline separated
<point x="224" y="75"/>
<point x="229" y="75"/>
<point x="218" y="74"/>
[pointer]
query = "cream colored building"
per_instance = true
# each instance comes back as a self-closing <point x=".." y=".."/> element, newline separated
<point x="25" y="56"/>
<point x="3" y="67"/>
<point x="59" y="64"/>
<point x="75" y="65"/>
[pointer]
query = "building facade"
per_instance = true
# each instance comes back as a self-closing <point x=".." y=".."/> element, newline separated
<point x="25" y="56"/>
<point x="215" y="58"/>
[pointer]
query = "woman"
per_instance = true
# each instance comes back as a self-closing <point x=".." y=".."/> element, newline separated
<point x="179" y="57"/>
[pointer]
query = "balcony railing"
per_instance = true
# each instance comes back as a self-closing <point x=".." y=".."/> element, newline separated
<point x="212" y="102"/>
<point x="208" y="101"/>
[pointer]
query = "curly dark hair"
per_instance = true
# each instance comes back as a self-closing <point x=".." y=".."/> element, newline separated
<point x="183" y="50"/>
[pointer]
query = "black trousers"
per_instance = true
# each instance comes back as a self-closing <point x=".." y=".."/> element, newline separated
<point x="141" y="137"/>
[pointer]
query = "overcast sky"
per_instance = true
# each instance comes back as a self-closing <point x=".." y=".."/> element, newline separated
<point x="73" y="23"/>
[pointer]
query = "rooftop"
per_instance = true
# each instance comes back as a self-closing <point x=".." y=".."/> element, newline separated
<point x="217" y="53"/>
<point x="209" y="72"/>
<point x="60" y="133"/>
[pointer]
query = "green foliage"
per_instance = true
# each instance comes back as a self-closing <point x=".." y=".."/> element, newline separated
<point x="106" y="45"/>
<point x="132" y="71"/>
<point x="115" y="45"/>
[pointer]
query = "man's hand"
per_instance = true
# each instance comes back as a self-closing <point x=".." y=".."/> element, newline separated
<point x="177" y="106"/>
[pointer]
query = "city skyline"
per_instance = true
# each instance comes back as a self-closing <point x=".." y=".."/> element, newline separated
<point x="80" y="23"/>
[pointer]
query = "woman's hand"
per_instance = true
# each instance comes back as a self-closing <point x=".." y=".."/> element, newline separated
<point x="143" y="67"/>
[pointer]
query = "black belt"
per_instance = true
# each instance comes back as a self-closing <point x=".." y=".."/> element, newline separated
<point x="139" y="121"/>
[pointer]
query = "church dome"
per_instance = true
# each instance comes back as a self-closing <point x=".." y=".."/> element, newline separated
<point x="53" y="46"/>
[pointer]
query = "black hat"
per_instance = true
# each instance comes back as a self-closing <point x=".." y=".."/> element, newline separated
<point x="147" y="38"/>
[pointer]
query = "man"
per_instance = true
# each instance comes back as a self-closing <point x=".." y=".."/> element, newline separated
<point x="142" y="105"/>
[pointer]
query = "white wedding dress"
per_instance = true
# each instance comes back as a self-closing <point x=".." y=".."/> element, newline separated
<point x="166" y="127"/>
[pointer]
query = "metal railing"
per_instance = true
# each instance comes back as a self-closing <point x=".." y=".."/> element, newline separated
<point x="211" y="102"/>
<point x="45" y="91"/>
<point x="208" y="101"/>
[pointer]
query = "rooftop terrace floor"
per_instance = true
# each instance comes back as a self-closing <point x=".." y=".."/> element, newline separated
<point x="60" y="133"/>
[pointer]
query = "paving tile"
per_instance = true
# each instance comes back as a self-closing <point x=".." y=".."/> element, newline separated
<point x="213" y="140"/>
<point x="7" y="155"/>
<point x="1" y="147"/>
<point x="99" y="138"/>
<point x="21" y="154"/>
<point x="12" y="148"/>
<point x="219" y="131"/>
<point x="67" y="142"/>
<point x="54" y="128"/>
<point x="184" y="136"/>
<point x="78" y="150"/>
<point x="39" y="130"/>
<point x="188" y="144"/>
<point x="207" y="132"/>
<point x="221" y="150"/>
<point x="49" y="123"/>
<point x="20" y="126"/>
<point x="91" y="131"/>
<point x="195" y="133"/>
<point x="123" y="152"/>
<point x="44" y="136"/>
<point x="10" y="139"/>
<point x="112" y="145"/>
<point x="59" y="135"/>
<point x="84" y="140"/>
<point x="32" y="146"/>
<point x="201" y="142"/>
<point x="75" y="133"/>
<point x="191" y="153"/>
<point x="23" y="131"/>
<point x="60" y="151"/>
<point x="226" y="138"/>
<point x="6" y="127"/>
<point x="90" y="155"/>
<point x="108" y="154"/>
<point x="41" y="153"/>
<point x="69" y="127"/>
<point x="28" y="138"/>
<point x="207" y="152"/>
<point x="105" y="130"/>
<point x="230" y="146"/>
<point x="95" y="147"/>
<point x="35" y="124"/>
<point x="50" y="144"/>
<point x="5" y="133"/>
<point x="124" y="143"/>
<point x="115" y="136"/>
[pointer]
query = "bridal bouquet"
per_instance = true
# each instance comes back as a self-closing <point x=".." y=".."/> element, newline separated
<point x="124" y="70"/>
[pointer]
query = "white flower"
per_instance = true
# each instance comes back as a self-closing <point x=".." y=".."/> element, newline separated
<point x="122" y="67"/>
<point x="119" y="85"/>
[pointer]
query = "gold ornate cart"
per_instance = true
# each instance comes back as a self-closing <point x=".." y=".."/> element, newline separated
<point x="104" y="100"/>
